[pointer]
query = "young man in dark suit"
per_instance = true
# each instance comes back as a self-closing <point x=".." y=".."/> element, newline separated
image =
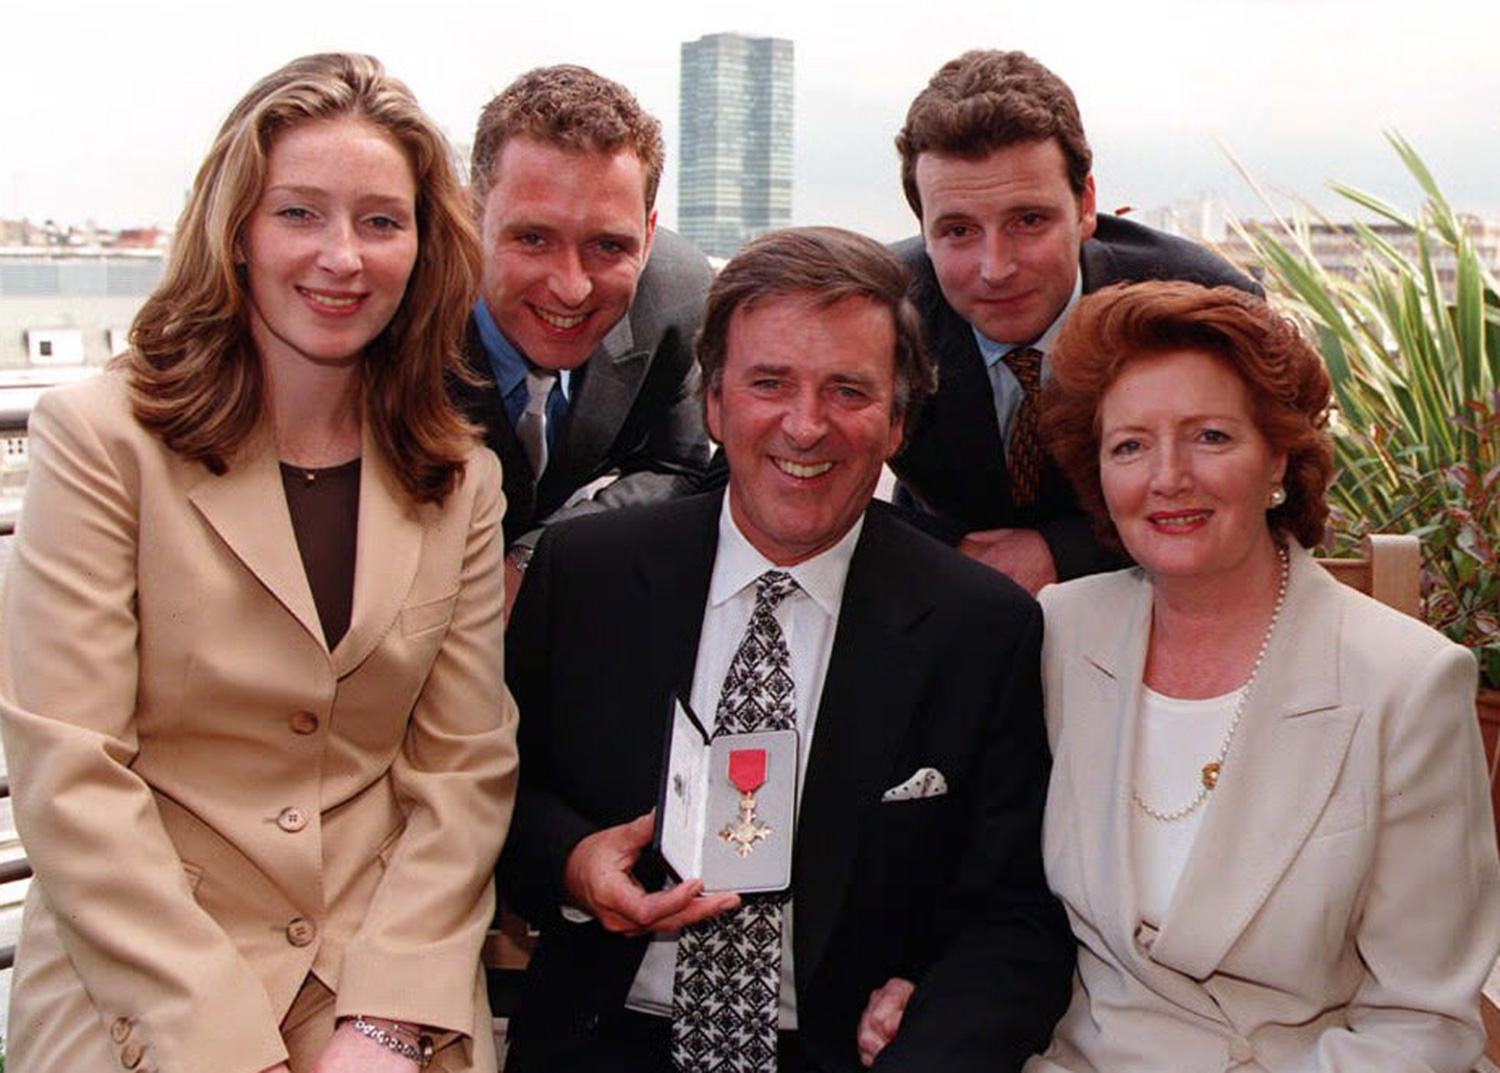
<point x="909" y="673"/>
<point x="995" y="164"/>
<point x="582" y="338"/>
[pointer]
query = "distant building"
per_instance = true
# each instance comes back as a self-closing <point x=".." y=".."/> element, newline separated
<point x="1335" y="246"/>
<point x="1200" y="218"/>
<point x="1339" y="250"/>
<point x="70" y="306"/>
<point x="735" y="165"/>
<point x="64" y="311"/>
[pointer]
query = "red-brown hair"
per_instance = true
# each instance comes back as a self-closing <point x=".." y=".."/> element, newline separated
<point x="1288" y="385"/>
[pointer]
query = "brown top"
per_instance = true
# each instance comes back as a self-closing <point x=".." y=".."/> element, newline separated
<point x="324" y="504"/>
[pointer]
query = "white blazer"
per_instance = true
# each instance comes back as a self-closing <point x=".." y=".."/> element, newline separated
<point x="1340" y="909"/>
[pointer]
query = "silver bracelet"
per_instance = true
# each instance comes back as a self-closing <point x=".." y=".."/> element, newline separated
<point x="419" y="1052"/>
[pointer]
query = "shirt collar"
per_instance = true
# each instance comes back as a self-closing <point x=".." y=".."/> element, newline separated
<point x="738" y="564"/>
<point x="505" y="360"/>
<point x="992" y="351"/>
<point x="507" y="363"/>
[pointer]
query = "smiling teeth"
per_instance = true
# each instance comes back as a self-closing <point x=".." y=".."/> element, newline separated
<point x="330" y="301"/>
<point x="558" y="321"/>
<point x="796" y="469"/>
<point x="1184" y="519"/>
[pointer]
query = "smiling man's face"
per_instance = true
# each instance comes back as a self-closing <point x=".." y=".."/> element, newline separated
<point x="566" y="234"/>
<point x="806" y="412"/>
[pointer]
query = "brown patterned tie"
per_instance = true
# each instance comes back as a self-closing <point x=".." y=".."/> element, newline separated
<point x="1025" y="457"/>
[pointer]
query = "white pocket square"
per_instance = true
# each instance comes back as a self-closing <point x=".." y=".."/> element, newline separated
<point x="927" y="782"/>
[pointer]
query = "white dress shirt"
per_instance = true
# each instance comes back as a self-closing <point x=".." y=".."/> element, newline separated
<point x="809" y="619"/>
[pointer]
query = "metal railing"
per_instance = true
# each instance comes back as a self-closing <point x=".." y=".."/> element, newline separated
<point x="11" y="872"/>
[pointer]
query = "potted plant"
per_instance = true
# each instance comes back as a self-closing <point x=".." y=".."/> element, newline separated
<point x="1415" y="362"/>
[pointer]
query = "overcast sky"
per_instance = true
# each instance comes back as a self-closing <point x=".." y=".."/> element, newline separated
<point x="107" y="108"/>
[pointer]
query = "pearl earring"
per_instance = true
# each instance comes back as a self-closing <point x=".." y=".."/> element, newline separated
<point x="1276" y="498"/>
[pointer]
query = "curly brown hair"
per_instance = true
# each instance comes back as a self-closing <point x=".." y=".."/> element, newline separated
<point x="568" y="107"/>
<point x="987" y="100"/>
<point x="195" y="377"/>
<point x="1289" y="388"/>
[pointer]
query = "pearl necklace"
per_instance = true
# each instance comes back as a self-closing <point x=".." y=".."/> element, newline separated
<point x="1210" y="775"/>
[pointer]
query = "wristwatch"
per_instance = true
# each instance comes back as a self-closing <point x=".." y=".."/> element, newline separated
<point x="419" y="1051"/>
<point x="520" y="556"/>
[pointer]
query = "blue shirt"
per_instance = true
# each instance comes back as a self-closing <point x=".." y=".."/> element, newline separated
<point x="509" y="366"/>
<point x="1003" y="383"/>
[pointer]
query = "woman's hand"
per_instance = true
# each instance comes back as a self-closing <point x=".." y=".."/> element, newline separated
<point x="351" y="1052"/>
<point x="882" y="1018"/>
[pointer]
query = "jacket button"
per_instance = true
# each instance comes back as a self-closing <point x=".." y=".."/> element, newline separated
<point x="300" y="931"/>
<point x="302" y="722"/>
<point x="131" y="1054"/>
<point x="1240" y="1049"/>
<point x="291" y="819"/>
<point x="119" y="1031"/>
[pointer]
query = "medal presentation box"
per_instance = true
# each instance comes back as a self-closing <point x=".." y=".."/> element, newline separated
<point x="726" y="806"/>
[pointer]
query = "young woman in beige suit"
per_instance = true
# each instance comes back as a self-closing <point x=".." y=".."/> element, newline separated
<point x="1269" y="815"/>
<point x="261" y="749"/>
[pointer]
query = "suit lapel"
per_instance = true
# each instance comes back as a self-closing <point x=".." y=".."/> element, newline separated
<point x="1100" y="727"/>
<point x="386" y="558"/>
<point x="963" y="415"/>
<point x="483" y="404"/>
<point x="862" y="718"/>
<point x="247" y="507"/>
<point x="1278" y="776"/>
<point x="606" y="391"/>
<point x="957" y="422"/>
<point x="675" y="574"/>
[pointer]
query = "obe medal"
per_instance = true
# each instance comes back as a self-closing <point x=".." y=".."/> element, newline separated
<point x="747" y="771"/>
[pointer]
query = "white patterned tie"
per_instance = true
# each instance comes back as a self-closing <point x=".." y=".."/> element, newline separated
<point x="531" y="429"/>
<point x="728" y="982"/>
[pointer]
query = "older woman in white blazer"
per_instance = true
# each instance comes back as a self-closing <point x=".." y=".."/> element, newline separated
<point x="1269" y="814"/>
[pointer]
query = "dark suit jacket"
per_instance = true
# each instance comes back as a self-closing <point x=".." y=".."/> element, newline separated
<point x="952" y="467"/>
<point x="634" y="408"/>
<point x="934" y="665"/>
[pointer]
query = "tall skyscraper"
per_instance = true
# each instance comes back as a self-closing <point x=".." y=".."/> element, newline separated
<point x="735" y="168"/>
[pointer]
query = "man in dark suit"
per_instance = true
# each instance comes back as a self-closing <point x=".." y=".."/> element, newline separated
<point x="909" y="672"/>
<point x="582" y="339"/>
<point x="996" y="166"/>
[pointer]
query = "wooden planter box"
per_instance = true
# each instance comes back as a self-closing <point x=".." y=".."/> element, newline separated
<point x="1488" y="706"/>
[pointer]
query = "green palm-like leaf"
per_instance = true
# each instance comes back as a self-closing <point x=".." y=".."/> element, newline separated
<point x="1414" y="357"/>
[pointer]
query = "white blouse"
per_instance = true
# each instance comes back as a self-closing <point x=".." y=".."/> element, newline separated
<point x="1177" y="738"/>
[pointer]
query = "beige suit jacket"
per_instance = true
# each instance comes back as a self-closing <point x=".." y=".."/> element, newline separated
<point x="215" y="805"/>
<point x="1340" y="908"/>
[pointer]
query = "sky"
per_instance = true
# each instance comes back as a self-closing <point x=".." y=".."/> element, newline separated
<point x="107" y="108"/>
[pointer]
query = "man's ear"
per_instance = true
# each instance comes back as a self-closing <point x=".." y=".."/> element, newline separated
<point x="1088" y="218"/>
<point x="650" y="234"/>
<point x="712" y="413"/>
<point x="897" y="435"/>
